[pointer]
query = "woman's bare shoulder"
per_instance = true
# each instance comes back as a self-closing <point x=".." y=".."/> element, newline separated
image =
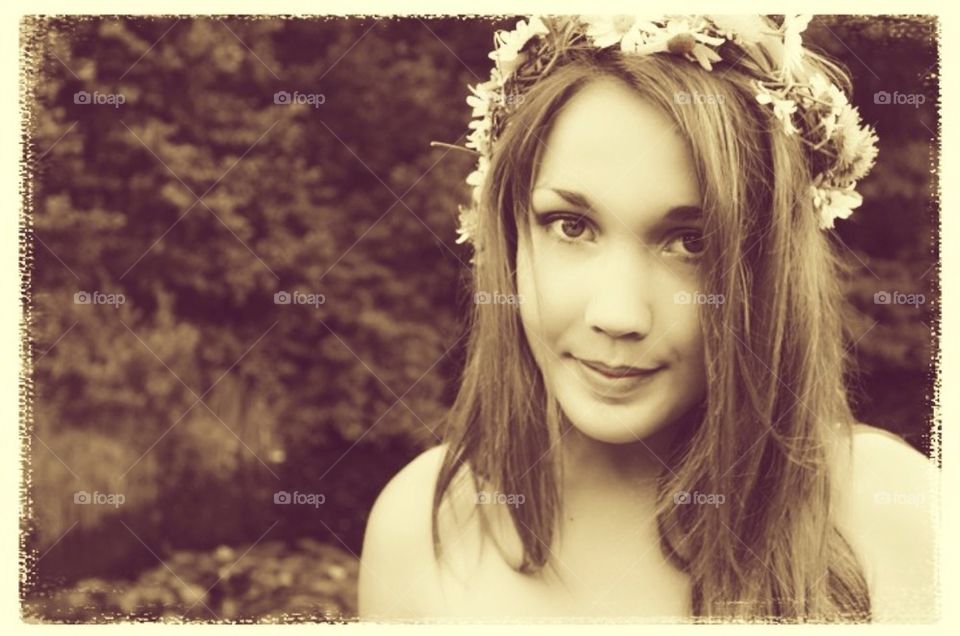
<point x="886" y="511"/>
<point x="883" y="463"/>
<point x="397" y="557"/>
<point x="399" y="572"/>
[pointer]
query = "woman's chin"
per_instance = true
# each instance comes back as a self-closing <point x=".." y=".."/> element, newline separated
<point x="612" y="425"/>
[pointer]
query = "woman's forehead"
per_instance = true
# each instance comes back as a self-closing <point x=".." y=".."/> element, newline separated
<point x="611" y="145"/>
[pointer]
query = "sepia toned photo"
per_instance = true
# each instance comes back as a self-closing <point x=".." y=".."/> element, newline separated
<point x="518" y="319"/>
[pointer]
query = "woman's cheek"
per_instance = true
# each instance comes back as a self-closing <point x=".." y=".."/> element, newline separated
<point x="688" y="339"/>
<point x="682" y="312"/>
<point x="529" y="305"/>
<point x="561" y="285"/>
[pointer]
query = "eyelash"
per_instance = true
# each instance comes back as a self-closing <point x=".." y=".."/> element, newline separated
<point x="547" y="220"/>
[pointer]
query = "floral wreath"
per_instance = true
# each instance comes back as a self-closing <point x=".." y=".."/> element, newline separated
<point x="841" y="148"/>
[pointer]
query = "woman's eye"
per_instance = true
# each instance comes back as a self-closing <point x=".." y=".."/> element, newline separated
<point x="566" y="227"/>
<point x="691" y="243"/>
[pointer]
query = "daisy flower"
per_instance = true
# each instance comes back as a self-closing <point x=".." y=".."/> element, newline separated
<point x="823" y="90"/>
<point x="681" y="38"/>
<point x="467" y="226"/>
<point x="607" y="30"/>
<point x="745" y="29"/>
<point x="856" y="146"/>
<point x="793" y="26"/>
<point x="476" y="177"/>
<point x="509" y="44"/>
<point x="813" y="106"/>
<point x="783" y="109"/>
<point x="480" y="100"/>
<point x="481" y="134"/>
<point x="835" y="203"/>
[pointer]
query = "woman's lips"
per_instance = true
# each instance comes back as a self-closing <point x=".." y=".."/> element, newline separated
<point x="618" y="371"/>
<point x="607" y="385"/>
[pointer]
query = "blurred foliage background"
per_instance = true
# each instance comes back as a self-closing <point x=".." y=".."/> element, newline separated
<point x="200" y="197"/>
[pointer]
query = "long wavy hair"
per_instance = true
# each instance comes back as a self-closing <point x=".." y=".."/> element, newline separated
<point x="776" y="406"/>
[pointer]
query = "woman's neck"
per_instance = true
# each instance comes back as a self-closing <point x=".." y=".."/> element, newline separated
<point x="591" y="466"/>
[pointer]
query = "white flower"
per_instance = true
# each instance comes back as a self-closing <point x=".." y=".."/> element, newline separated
<point x="819" y="85"/>
<point x="793" y="26"/>
<point x="626" y="30"/>
<point x="483" y="95"/>
<point x="607" y="30"/>
<point x="783" y="109"/>
<point x="835" y="129"/>
<point x="835" y="203"/>
<point x="856" y="146"/>
<point x="745" y="29"/>
<point x="826" y="91"/>
<point x="481" y="134"/>
<point x="476" y="177"/>
<point x="705" y="56"/>
<point x="467" y="229"/>
<point x="636" y="36"/>
<point x="509" y="44"/>
<point x="678" y="37"/>
<point x="481" y="101"/>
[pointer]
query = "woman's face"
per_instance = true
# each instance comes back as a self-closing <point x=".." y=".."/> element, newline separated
<point x="610" y="274"/>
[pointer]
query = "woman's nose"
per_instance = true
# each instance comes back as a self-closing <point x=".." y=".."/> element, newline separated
<point x="620" y="297"/>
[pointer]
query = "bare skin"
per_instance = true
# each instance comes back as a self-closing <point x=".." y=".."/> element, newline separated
<point x="605" y="290"/>
<point x="606" y="557"/>
<point x="608" y="563"/>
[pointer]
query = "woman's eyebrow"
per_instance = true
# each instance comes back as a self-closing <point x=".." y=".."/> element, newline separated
<point x="683" y="214"/>
<point x="573" y="198"/>
<point x="676" y="214"/>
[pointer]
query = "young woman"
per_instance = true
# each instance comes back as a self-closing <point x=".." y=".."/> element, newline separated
<point x="652" y="422"/>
